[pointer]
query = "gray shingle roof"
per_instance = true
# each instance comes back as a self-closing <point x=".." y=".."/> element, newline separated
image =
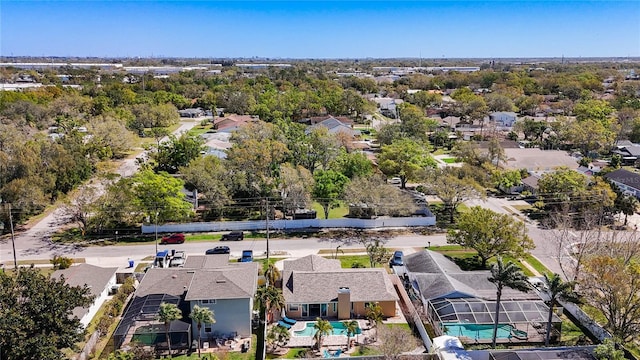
<point x="437" y="276"/>
<point x="95" y="277"/>
<point x="206" y="261"/>
<point x="312" y="263"/>
<point x="228" y="281"/>
<point x="365" y="285"/>
<point x="235" y="282"/>
<point x="625" y="177"/>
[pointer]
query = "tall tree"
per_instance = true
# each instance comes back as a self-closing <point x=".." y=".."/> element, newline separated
<point x="557" y="290"/>
<point x="490" y="234"/>
<point x="351" y="327"/>
<point x="405" y="159"/>
<point x="210" y="177"/>
<point x="502" y="276"/>
<point x="167" y="313"/>
<point x="270" y="298"/>
<point x="452" y="189"/>
<point x="36" y="315"/>
<point x="295" y="187"/>
<point x="201" y="315"/>
<point x="352" y="165"/>
<point x="158" y="195"/>
<point x="376" y="197"/>
<point x="611" y="284"/>
<point x="278" y="336"/>
<point x="177" y="152"/>
<point x="323" y="328"/>
<point x="394" y="340"/>
<point x="328" y="188"/>
<point x="374" y="315"/>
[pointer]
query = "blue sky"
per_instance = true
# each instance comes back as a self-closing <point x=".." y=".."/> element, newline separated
<point x="310" y="29"/>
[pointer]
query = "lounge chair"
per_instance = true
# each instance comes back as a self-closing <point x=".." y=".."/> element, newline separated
<point x="284" y="324"/>
<point x="326" y="354"/>
<point x="289" y="321"/>
<point x="337" y="353"/>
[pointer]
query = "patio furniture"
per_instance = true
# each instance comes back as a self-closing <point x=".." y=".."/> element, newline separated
<point x="289" y="321"/>
<point x="284" y="324"/>
<point x="325" y="354"/>
<point x="337" y="353"/>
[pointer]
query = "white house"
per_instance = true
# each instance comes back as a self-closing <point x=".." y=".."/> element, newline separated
<point x="100" y="280"/>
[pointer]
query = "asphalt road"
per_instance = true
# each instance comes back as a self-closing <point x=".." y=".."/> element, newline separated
<point x="34" y="243"/>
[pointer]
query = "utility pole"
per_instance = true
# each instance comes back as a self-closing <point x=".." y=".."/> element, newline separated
<point x="156" y="231"/>
<point x="13" y="241"/>
<point x="267" y="225"/>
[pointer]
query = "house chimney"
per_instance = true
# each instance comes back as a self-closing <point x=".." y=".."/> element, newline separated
<point x="344" y="303"/>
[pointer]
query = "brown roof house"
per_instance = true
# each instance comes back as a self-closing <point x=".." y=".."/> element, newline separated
<point x="233" y="122"/>
<point x="317" y="287"/>
<point x="100" y="280"/>
<point x="228" y="289"/>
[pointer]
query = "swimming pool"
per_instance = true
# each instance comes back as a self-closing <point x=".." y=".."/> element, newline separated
<point x="478" y="331"/>
<point x="338" y="329"/>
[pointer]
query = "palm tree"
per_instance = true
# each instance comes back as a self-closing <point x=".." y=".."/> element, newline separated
<point x="201" y="315"/>
<point x="502" y="276"/>
<point x="270" y="298"/>
<point x="352" y="327"/>
<point x="323" y="328"/>
<point x="167" y="313"/>
<point x="558" y="290"/>
<point x="272" y="274"/>
<point x="278" y="335"/>
<point x="374" y="315"/>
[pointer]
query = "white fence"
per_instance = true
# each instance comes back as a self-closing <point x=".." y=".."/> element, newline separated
<point x="291" y="224"/>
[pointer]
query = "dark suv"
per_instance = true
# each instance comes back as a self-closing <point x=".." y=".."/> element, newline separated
<point x="396" y="260"/>
<point x="218" y="250"/>
<point x="233" y="236"/>
<point x="173" y="239"/>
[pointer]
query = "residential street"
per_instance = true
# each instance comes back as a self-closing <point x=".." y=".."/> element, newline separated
<point x="34" y="243"/>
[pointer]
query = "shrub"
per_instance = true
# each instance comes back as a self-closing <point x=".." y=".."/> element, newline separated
<point x="61" y="262"/>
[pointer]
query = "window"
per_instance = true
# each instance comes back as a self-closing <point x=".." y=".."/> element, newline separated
<point x="294" y="307"/>
<point x="305" y="310"/>
<point x="335" y="307"/>
<point x="208" y="301"/>
<point x="207" y="328"/>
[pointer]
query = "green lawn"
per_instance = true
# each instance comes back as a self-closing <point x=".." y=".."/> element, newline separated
<point x="336" y="213"/>
<point x="364" y="350"/>
<point x="293" y="353"/>
<point x="449" y="160"/>
<point x="349" y="260"/>
<point x="199" y="130"/>
<point x="537" y="265"/>
<point x="250" y="355"/>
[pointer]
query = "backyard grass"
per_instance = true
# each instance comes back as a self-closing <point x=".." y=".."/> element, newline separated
<point x="293" y="353"/>
<point x="336" y="213"/>
<point x="570" y="334"/>
<point x="467" y="259"/>
<point x="364" y="350"/>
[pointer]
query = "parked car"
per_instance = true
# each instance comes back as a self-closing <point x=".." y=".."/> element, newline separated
<point x="172" y="239"/>
<point x="177" y="259"/>
<point x="247" y="256"/>
<point x="395" y="181"/>
<point x="396" y="260"/>
<point x="234" y="235"/>
<point x="218" y="250"/>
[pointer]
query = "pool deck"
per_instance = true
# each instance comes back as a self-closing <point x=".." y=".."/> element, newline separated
<point x="330" y="340"/>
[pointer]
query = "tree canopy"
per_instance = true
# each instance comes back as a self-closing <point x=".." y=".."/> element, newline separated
<point x="490" y="234"/>
<point x="36" y="319"/>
